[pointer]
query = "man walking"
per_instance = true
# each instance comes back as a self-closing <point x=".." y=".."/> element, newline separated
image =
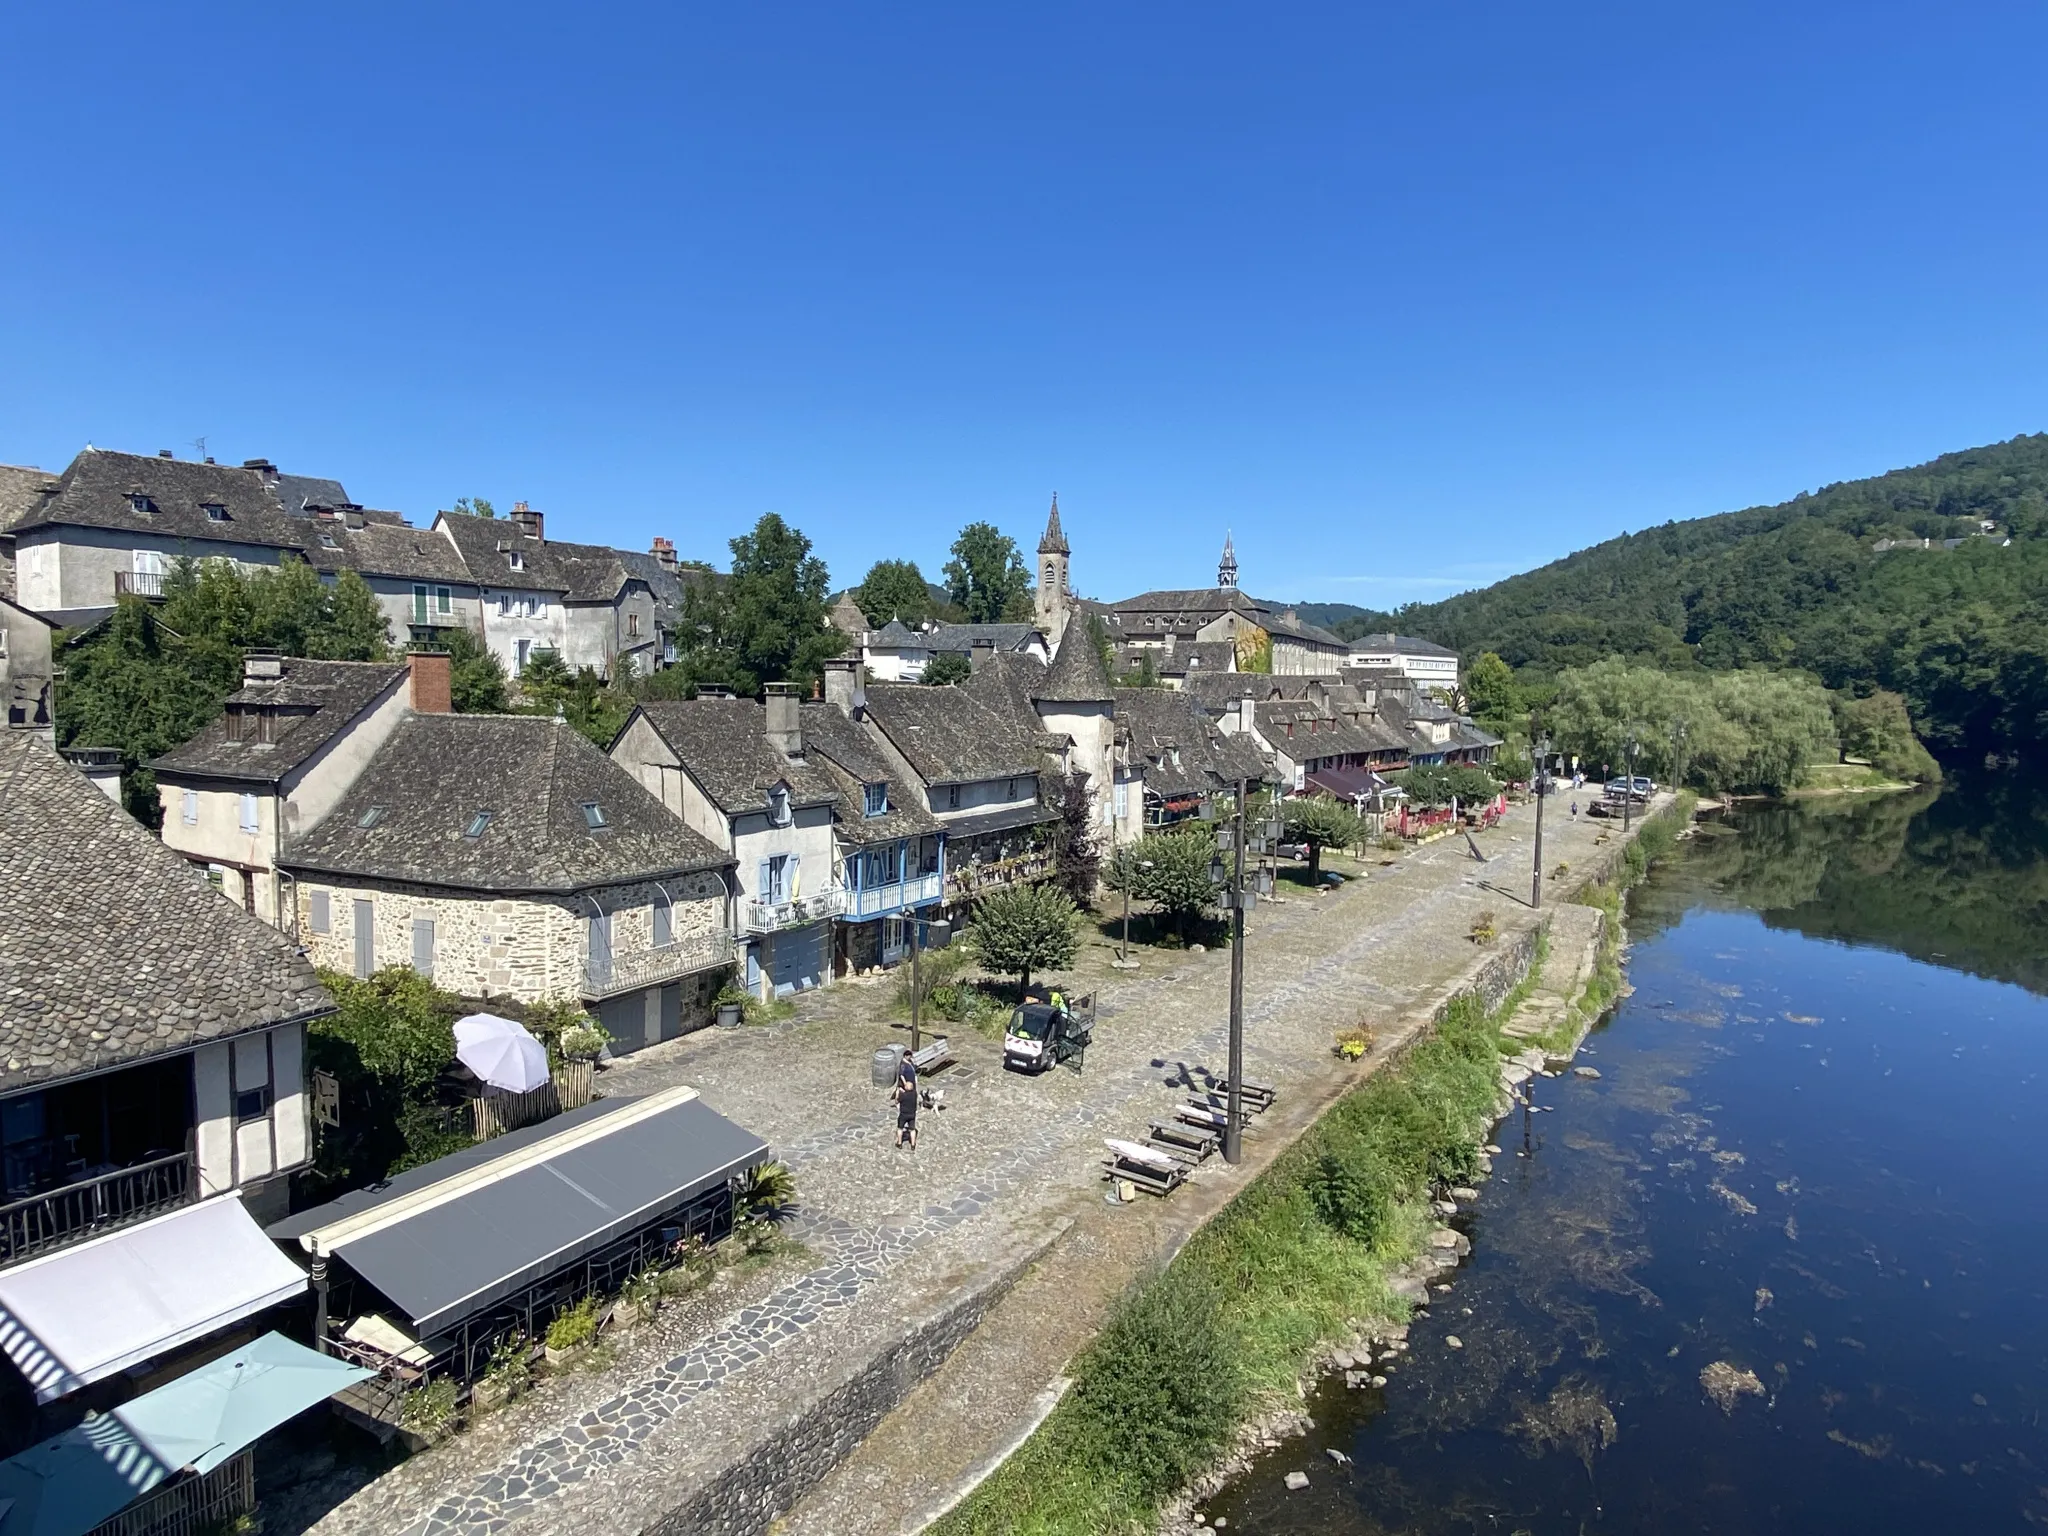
<point x="906" y="1103"/>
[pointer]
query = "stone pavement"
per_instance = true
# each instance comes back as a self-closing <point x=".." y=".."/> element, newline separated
<point x="891" y="1234"/>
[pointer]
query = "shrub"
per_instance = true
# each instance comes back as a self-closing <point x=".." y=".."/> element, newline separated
<point x="1349" y="1195"/>
<point x="508" y="1364"/>
<point x="1353" y="1043"/>
<point x="767" y="1190"/>
<point x="429" y="1410"/>
<point x="583" y="1040"/>
<point x="578" y="1325"/>
<point x="1156" y="1395"/>
<point x="1486" y="929"/>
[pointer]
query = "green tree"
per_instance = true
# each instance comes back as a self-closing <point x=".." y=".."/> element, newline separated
<point x="1320" y="822"/>
<point x="476" y="677"/>
<point x="1023" y="928"/>
<point x="894" y="589"/>
<point x="766" y="622"/>
<point x="1434" y="785"/>
<point x="388" y="1043"/>
<point x="351" y="626"/>
<point x="946" y="668"/>
<point x="545" y="682"/>
<point x="474" y="506"/>
<point x="1170" y="870"/>
<point x="1877" y="730"/>
<point x="1491" y="694"/>
<point x="1077" y="852"/>
<point x="986" y="576"/>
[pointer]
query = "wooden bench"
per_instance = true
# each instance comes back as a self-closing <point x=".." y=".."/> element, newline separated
<point x="933" y="1057"/>
<point x="1194" y="1113"/>
<point x="1257" y="1097"/>
<point x="1193" y="1138"/>
<point x="1149" y="1168"/>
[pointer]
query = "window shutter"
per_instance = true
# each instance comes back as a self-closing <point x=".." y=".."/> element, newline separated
<point x="664" y="923"/>
<point x="316" y="911"/>
<point x="249" y="823"/>
<point x="423" y="945"/>
<point x="191" y="807"/>
<point x="765" y="891"/>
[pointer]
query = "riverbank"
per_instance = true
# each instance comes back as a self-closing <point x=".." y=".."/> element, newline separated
<point x="1318" y="1253"/>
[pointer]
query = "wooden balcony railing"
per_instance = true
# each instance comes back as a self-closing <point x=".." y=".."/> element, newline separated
<point x="73" y="1212"/>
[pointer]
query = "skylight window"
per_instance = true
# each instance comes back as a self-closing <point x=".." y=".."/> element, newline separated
<point x="477" y="823"/>
<point x="593" y="815"/>
<point x="371" y="817"/>
<point x="140" y="502"/>
<point x="215" y="512"/>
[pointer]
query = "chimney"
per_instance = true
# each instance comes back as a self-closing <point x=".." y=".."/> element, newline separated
<point x="352" y="517"/>
<point x="845" y="688"/>
<point x="982" y="651"/>
<point x="664" y="554"/>
<point x="784" y="731"/>
<point x="322" y="514"/>
<point x="164" y="453"/>
<point x="262" y="467"/>
<point x="432" y="680"/>
<point x="527" y="521"/>
<point x="261" y="667"/>
<point x="101" y="766"/>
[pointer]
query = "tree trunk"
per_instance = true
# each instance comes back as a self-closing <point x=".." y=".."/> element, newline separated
<point x="1024" y="985"/>
<point x="1315" y="863"/>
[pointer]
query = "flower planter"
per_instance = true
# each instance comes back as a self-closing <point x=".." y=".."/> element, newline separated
<point x="562" y="1359"/>
<point x="487" y="1394"/>
<point x="728" y="1016"/>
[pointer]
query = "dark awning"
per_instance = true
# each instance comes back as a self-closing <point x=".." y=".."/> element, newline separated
<point x="450" y="1239"/>
<point x="1001" y="821"/>
<point x="1345" y="783"/>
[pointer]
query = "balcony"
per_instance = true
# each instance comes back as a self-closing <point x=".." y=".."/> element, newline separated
<point x="87" y="1207"/>
<point x="138" y="583"/>
<point x="973" y="879"/>
<point x="610" y="975"/>
<point x="887" y="900"/>
<point x="774" y="916"/>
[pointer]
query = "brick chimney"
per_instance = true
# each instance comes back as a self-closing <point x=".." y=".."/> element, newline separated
<point x="784" y="729"/>
<point x="845" y="688"/>
<point x="432" y="682"/>
<point x="527" y="521"/>
<point x="664" y="554"/>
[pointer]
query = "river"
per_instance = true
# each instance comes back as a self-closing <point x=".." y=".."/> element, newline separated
<point x="1813" y="1153"/>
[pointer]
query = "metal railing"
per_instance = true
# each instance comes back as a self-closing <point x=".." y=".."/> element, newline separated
<point x="138" y="583"/>
<point x="893" y="897"/>
<point x="772" y="916"/>
<point x="608" y="975"/>
<point x="73" y="1212"/>
<point x="967" y="879"/>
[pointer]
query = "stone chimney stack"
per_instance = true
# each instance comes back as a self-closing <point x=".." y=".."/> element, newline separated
<point x="664" y="554"/>
<point x="527" y="521"/>
<point x="262" y="467"/>
<point x="784" y="729"/>
<point x="432" y="682"/>
<point x="980" y="653"/>
<point x="845" y="687"/>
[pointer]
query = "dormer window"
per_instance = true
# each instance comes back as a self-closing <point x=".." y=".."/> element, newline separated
<point x="327" y="541"/>
<point x="778" y="805"/>
<point x="370" y="817"/>
<point x="875" y="801"/>
<point x="215" y="512"/>
<point x="517" y="559"/>
<point x="593" y="816"/>
<point x="138" y="502"/>
<point x="476" y="826"/>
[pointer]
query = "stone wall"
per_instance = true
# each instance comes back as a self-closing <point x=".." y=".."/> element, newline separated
<point x="791" y="1457"/>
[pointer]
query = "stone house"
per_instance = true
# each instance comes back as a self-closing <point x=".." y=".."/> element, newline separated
<point x="505" y="856"/>
<point x="1179" y="618"/>
<point x="738" y="773"/>
<point x="1176" y="757"/>
<point x="278" y="758"/>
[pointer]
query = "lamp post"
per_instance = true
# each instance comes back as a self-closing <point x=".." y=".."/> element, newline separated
<point x="1233" y="1128"/>
<point x="1123" y="950"/>
<point x="1628" y="784"/>
<point x="1540" y="746"/>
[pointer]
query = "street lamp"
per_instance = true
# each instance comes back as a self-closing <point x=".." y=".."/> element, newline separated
<point x="1539" y="745"/>
<point x="1233" y="1126"/>
<point x="1123" y="953"/>
<point x="1628" y="784"/>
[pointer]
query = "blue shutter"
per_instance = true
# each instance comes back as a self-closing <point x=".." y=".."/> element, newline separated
<point x="764" y="891"/>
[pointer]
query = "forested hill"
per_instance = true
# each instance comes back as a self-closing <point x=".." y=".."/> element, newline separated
<point x="1962" y="632"/>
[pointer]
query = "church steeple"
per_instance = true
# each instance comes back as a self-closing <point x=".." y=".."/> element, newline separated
<point x="1054" y="542"/>
<point x="1226" y="568"/>
<point x="1050" y="606"/>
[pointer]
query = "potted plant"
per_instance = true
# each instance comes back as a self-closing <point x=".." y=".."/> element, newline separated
<point x="1353" y="1043"/>
<point x="730" y="1005"/>
<point x="582" y="1042"/>
<point x="640" y="1298"/>
<point x="571" y="1333"/>
<point x="504" y="1378"/>
<point x="427" y="1414"/>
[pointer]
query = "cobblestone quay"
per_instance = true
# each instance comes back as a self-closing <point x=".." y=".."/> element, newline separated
<point x="907" y="1255"/>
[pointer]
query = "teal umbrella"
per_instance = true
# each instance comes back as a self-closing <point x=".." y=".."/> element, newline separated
<point x="69" y="1484"/>
<point x="202" y="1419"/>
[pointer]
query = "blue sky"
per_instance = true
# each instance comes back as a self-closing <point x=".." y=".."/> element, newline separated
<point x="1409" y="297"/>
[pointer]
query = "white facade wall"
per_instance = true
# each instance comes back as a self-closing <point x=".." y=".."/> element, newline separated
<point x="518" y="622"/>
<point x="234" y="1155"/>
<point x="59" y="566"/>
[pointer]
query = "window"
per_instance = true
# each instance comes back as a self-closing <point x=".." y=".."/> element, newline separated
<point x="319" y="917"/>
<point x="477" y="823"/>
<point x="237" y="723"/>
<point x="252" y="1104"/>
<point x="249" y="817"/>
<point x="952" y="797"/>
<point x="215" y="512"/>
<point x="1009" y="789"/>
<point x="532" y="607"/>
<point x="1123" y="800"/>
<point x="140" y="502"/>
<point x="593" y="815"/>
<point x="504" y="605"/>
<point x="327" y="540"/>
<point x="423" y="945"/>
<point x="664" y="918"/>
<point x="778" y="805"/>
<point x="444" y="600"/>
<point x="876" y="801"/>
<point x="521" y="650"/>
<point x="191" y="807"/>
<point x="518" y="560"/>
<point x="370" y="817"/>
<point x="632" y="624"/>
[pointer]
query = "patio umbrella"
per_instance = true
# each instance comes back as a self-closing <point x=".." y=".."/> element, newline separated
<point x="501" y="1052"/>
<point x="203" y="1419"/>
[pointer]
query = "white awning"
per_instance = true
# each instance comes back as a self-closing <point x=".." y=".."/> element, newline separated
<point x="82" y="1313"/>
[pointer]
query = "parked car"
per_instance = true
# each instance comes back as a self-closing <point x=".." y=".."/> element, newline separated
<point x="1643" y="788"/>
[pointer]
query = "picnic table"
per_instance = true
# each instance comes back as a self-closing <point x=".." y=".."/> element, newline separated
<point x="1149" y="1168"/>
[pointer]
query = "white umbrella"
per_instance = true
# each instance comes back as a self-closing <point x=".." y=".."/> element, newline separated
<point x="501" y="1052"/>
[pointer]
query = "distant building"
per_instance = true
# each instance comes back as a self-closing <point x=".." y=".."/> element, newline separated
<point x="1423" y="662"/>
<point x="1172" y="619"/>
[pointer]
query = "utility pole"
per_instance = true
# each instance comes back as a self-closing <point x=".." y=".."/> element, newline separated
<point x="1233" y="1129"/>
<point x="1628" y="799"/>
<point x="916" y="999"/>
<point x="1541" y="748"/>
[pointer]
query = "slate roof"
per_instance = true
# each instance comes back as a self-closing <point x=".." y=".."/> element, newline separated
<point x="962" y="637"/>
<point x="94" y="492"/>
<point x="317" y="700"/>
<point x="1076" y="675"/>
<point x="1218" y="691"/>
<point x="584" y="573"/>
<point x="837" y="746"/>
<point x="384" y="549"/>
<point x="950" y="736"/>
<point x="723" y="744"/>
<point x="1316" y="734"/>
<point x="1181" y="750"/>
<point x="1181" y="610"/>
<point x="22" y="489"/>
<point x="534" y="775"/>
<point x="114" y="948"/>
<point x="895" y="635"/>
<point x="299" y="494"/>
<point x="847" y="618"/>
<point x="1401" y="645"/>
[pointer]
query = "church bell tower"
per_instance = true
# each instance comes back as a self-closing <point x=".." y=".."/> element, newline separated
<point x="1051" y="607"/>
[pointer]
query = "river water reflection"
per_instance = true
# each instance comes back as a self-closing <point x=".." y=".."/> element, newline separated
<point x="1813" y="1153"/>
